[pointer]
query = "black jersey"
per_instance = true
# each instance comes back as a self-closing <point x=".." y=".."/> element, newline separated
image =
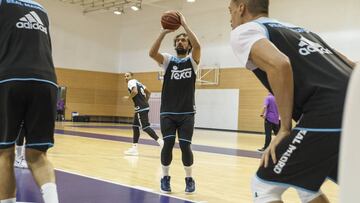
<point x="178" y="90"/>
<point x="139" y="100"/>
<point x="320" y="75"/>
<point x="25" y="51"/>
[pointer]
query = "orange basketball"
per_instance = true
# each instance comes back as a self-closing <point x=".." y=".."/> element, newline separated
<point x="170" y="20"/>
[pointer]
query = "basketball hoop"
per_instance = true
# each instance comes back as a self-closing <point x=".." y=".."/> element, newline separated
<point x="208" y="75"/>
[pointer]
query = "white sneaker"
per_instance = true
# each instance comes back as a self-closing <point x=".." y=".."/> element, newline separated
<point x="161" y="142"/>
<point x="132" y="151"/>
<point x="20" y="162"/>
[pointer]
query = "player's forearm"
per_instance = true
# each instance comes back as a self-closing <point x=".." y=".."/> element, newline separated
<point x="148" y="96"/>
<point x="192" y="37"/>
<point x="156" y="46"/>
<point x="263" y="112"/>
<point x="282" y="84"/>
<point x="133" y="94"/>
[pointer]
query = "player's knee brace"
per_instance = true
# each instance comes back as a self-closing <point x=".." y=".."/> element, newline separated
<point x="187" y="155"/>
<point x="307" y="196"/>
<point x="150" y="132"/>
<point x="264" y="192"/>
<point x="166" y="152"/>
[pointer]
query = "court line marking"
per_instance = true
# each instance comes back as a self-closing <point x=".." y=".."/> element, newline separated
<point x="145" y="189"/>
<point x="195" y="147"/>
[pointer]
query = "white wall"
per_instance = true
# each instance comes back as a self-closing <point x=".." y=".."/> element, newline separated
<point x="217" y="108"/>
<point x="89" y="42"/>
<point x="338" y="22"/>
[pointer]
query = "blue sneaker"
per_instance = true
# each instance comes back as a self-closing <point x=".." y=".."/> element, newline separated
<point x="165" y="184"/>
<point x="190" y="185"/>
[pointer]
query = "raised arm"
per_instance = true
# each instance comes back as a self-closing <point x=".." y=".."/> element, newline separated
<point x="279" y="72"/>
<point x="196" y="49"/>
<point x="154" y="51"/>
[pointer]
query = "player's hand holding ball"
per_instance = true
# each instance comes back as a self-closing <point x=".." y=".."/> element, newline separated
<point x="182" y="18"/>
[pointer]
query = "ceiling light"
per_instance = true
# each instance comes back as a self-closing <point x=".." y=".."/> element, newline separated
<point x="135" y="7"/>
<point x="117" y="12"/>
<point x="190" y="1"/>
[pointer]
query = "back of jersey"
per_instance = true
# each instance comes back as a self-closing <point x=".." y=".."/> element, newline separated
<point x="25" y="50"/>
<point x="320" y="75"/>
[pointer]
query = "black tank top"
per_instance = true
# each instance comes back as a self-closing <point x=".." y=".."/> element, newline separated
<point x="320" y="75"/>
<point x="139" y="100"/>
<point x="25" y="51"/>
<point x="178" y="90"/>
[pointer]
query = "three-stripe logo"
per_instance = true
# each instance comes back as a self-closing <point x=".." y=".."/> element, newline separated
<point x="31" y="21"/>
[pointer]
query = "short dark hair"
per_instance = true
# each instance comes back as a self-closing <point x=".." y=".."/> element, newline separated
<point x="185" y="35"/>
<point x="255" y="6"/>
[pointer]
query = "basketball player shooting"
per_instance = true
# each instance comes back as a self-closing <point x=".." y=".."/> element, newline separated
<point x="178" y="96"/>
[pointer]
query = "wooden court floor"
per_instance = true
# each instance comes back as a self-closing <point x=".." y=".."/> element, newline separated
<point x="223" y="161"/>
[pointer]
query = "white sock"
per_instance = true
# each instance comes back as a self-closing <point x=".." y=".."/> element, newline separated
<point x="188" y="171"/>
<point x="19" y="151"/>
<point x="160" y="141"/>
<point x="49" y="193"/>
<point x="135" y="145"/>
<point x="12" y="200"/>
<point x="165" y="170"/>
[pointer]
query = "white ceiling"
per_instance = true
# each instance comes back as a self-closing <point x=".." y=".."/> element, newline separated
<point x="109" y="6"/>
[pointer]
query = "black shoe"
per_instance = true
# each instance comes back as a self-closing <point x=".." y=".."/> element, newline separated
<point x="190" y="185"/>
<point x="261" y="150"/>
<point x="165" y="184"/>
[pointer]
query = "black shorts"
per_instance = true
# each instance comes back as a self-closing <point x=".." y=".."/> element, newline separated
<point x="32" y="102"/>
<point x="307" y="157"/>
<point x="182" y="124"/>
<point x="141" y="119"/>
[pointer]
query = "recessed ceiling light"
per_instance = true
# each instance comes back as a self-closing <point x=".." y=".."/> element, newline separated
<point x="135" y="8"/>
<point x="117" y="12"/>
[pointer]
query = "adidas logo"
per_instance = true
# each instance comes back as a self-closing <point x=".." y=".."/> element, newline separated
<point x="307" y="47"/>
<point x="31" y="21"/>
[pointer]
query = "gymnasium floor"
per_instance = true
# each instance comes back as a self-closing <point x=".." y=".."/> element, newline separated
<point x="91" y="167"/>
